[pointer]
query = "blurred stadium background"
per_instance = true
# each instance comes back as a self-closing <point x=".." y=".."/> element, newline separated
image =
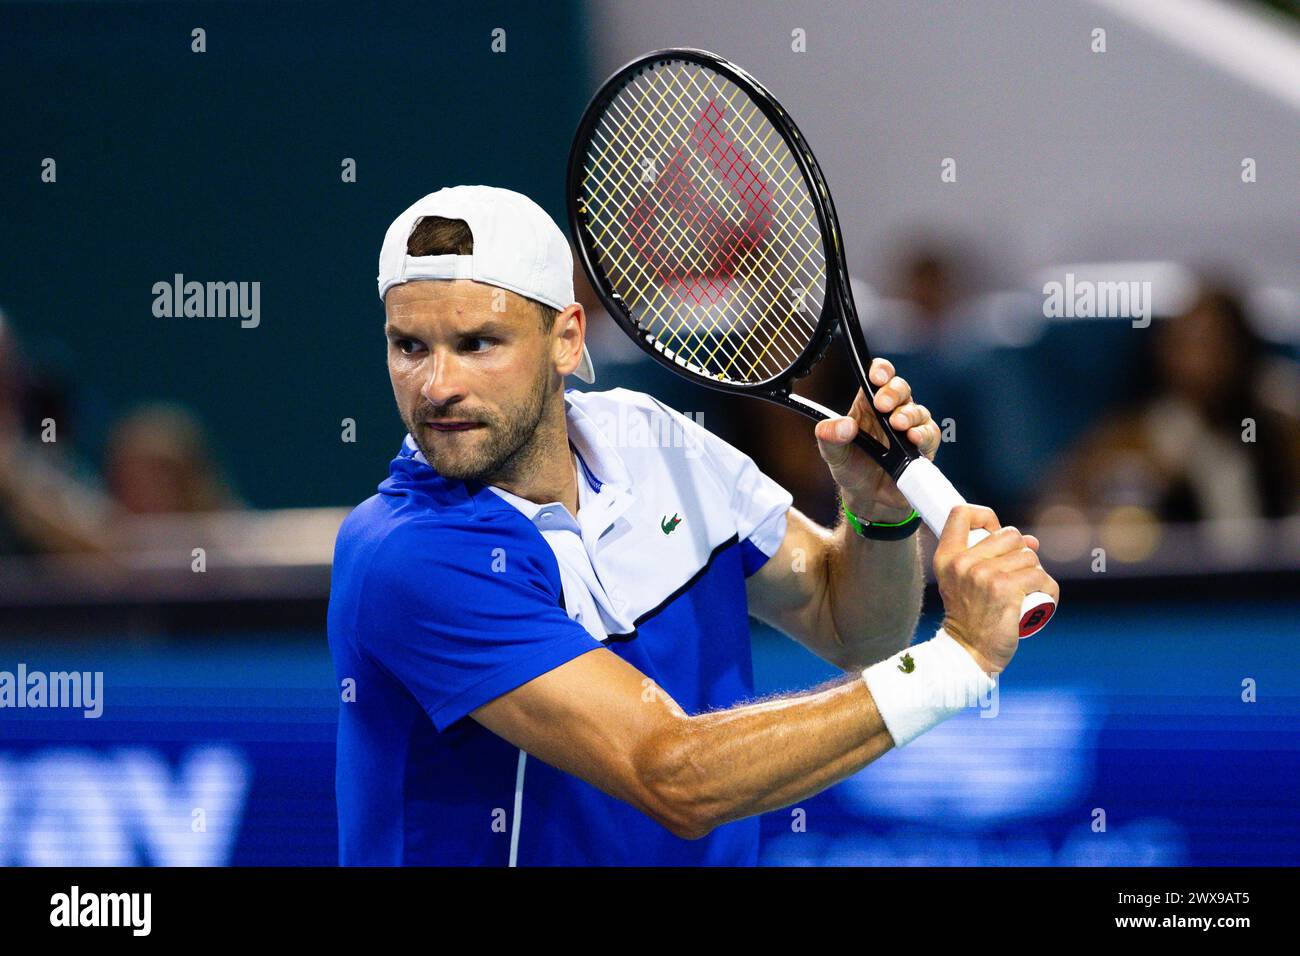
<point x="1166" y="693"/>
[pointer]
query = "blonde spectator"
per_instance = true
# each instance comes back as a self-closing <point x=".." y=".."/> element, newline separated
<point x="158" y="461"/>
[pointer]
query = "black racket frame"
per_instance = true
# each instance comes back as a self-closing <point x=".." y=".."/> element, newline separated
<point x="838" y="310"/>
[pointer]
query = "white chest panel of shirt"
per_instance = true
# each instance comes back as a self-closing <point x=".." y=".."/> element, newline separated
<point x="664" y="504"/>
<point x="601" y="610"/>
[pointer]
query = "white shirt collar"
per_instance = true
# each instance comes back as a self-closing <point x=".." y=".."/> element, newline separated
<point x="602" y="506"/>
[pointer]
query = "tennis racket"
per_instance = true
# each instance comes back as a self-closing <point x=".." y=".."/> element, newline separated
<point x="708" y="231"/>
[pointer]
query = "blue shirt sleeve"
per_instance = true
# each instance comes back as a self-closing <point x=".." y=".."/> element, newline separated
<point x="751" y="557"/>
<point x="462" y="615"/>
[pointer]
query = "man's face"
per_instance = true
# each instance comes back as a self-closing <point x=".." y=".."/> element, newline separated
<point x="470" y="367"/>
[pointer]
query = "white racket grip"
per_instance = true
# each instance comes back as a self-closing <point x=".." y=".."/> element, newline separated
<point x="934" y="497"/>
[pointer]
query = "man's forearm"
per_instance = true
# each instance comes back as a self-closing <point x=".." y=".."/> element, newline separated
<point x="874" y="591"/>
<point x="732" y="764"/>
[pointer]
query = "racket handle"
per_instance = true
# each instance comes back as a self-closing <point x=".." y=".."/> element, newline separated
<point x="934" y="497"/>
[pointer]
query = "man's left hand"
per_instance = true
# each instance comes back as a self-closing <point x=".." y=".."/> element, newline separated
<point x="866" y="488"/>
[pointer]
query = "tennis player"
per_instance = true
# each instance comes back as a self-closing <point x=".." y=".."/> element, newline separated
<point x="540" y="622"/>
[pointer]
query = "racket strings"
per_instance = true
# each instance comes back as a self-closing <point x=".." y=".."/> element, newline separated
<point x="735" y="91"/>
<point x="700" y="219"/>
<point x="785" y="196"/>
<point x="763" y="196"/>
<point x="785" y="355"/>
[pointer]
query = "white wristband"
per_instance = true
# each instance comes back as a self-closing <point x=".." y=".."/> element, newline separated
<point x="924" y="685"/>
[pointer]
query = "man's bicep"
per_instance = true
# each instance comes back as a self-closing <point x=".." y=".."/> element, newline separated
<point x="788" y="591"/>
<point x="596" y="717"/>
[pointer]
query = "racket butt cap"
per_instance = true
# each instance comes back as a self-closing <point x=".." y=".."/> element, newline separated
<point x="1035" y="613"/>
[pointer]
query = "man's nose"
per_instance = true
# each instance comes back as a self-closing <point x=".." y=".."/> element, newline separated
<point x="443" y="384"/>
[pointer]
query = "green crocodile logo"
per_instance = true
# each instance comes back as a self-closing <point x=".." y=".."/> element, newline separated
<point x="668" y="525"/>
<point x="908" y="665"/>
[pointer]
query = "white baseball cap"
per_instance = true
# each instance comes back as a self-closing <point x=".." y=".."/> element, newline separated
<point x="517" y="246"/>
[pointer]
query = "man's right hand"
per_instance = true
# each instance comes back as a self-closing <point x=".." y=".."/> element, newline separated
<point x="983" y="587"/>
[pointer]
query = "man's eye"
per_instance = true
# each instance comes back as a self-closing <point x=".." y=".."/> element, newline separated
<point x="408" y="346"/>
<point x="477" y="343"/>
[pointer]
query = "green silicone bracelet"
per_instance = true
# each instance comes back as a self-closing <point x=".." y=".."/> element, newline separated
<point x="884" y="530"/>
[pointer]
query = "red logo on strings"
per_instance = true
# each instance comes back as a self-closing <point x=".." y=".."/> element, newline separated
<point x="679" y="227"/>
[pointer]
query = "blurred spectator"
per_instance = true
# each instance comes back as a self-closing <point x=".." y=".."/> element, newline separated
<point x="929" y="283"/>
<point x="925" y="311"/>
<point x="158" y="461"/>
<point x="958" y="342"/>
<point x="44" y="506"/>
<point x="1201" y="438"/>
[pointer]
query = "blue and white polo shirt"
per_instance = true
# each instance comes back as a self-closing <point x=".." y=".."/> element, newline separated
<point x="447" y="594"/>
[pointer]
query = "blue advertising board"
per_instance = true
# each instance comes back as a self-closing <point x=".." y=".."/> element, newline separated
<point x="1165" y="735"/>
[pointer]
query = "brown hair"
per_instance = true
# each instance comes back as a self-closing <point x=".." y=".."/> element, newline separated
<point x="436" y="236"/>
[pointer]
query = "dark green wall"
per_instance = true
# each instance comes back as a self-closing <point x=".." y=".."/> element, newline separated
<point x="226" y="166"/>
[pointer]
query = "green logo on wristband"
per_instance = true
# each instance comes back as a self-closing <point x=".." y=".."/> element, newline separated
<point x="908" y="665"/>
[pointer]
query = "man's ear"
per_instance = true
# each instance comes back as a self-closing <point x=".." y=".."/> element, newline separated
<point x="570" y="333"/>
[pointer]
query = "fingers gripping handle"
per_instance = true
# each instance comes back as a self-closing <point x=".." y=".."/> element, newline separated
<point x="934" y="497"/>
<point x="1036" y="609"/>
